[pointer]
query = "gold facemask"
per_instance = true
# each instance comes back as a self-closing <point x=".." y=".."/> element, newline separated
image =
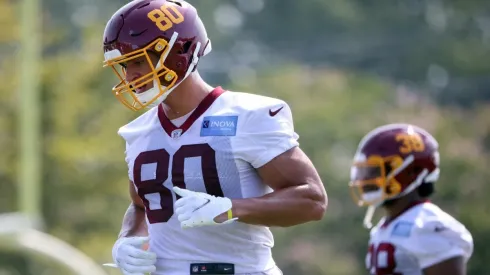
<point x="370" y="184"/>
<point x="125" y="90"/>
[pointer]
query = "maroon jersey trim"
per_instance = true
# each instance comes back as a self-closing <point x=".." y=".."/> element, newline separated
<point x="169" y="127"/>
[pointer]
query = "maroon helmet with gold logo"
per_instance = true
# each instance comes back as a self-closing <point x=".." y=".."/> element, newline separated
<point x="391" y="161"/>
<point x="170" y="29"/>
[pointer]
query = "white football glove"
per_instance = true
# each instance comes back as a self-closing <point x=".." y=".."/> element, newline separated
<point x="199" y="209"/>
<point x="130" y="257"/>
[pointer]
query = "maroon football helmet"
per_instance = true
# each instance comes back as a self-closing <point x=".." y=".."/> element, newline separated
<point x="171" y="30"/>
<point x="391" y="161"/>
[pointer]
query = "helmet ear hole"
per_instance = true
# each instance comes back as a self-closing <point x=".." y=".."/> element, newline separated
<point x="184" y="48"/>
<point x="187" y="46"/>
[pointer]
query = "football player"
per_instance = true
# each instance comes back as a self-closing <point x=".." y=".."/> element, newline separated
<point x="396" y="167"/>
<point x="210" y="170"/>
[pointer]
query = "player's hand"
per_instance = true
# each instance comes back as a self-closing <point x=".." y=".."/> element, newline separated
<point x="199" y="209"/>
<point x="131" y="258"/>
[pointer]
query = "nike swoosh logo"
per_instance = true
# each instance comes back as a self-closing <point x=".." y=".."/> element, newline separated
<point x="202" y="205"/>
<point x="273" y="113"/>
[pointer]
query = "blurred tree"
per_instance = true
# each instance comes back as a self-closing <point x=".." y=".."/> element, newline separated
<point x="8" y="41"/>
<point x="439" y="46"/>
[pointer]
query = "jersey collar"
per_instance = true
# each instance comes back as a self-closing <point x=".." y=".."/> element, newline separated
<point x="412" y="205"/>
<point x="169" y="127"/>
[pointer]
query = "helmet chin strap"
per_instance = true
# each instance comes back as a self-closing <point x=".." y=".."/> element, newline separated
<point x="155" y="90"/>
<point x="367" y="222"/>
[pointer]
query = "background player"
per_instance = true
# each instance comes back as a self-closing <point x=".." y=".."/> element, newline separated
<point x="396" y="167"/>
<point x="230" y="158"/>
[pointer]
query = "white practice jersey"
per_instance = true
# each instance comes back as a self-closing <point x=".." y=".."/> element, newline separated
<point x="215" y="149"/>
<point x="420" y="237"/>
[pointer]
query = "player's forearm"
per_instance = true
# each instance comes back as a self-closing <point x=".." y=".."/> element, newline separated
<point x="134" y="223"/>
<point x="286" y="207"/>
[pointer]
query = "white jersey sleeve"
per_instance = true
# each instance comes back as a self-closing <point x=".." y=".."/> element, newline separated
<point x="130" y="167"/>
<point x="135" y="129"/>
<point x="265" y="132"/>
<point x="435" y="240"/>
